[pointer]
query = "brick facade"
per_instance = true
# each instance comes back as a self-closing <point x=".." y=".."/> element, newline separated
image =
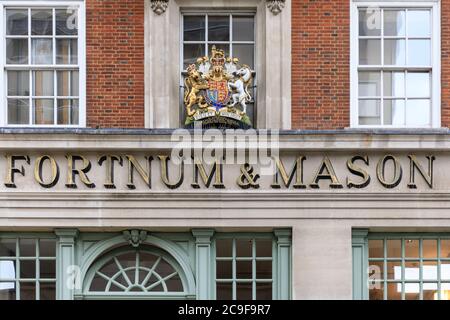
<point x="115" y="63"/>
<point x="320" y="59"/>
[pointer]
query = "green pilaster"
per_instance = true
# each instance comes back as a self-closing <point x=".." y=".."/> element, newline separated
<point x="360" y="253"/>
<point x="203" y="264"/>
<point x="66" y="269"/>
<point x="283" y="276"/>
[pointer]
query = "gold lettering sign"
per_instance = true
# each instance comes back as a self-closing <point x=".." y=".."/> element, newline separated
<point x="289" y="173"/>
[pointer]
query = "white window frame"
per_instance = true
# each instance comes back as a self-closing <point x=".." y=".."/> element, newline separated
<point x="435" y="7"/>
<point x="81" y="58"/>
<point x="225" y="13"/>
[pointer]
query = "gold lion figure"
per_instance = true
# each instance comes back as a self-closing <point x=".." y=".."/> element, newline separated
<point x="194" y="83"/>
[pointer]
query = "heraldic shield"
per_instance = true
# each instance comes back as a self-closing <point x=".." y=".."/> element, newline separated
<point x="217" y="92"/>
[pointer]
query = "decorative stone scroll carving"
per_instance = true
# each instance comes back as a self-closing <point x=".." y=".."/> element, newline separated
<point x="159" y="6"/>
<point x="275" y="6"/>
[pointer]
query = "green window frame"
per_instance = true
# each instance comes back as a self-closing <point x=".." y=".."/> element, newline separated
<point x="401" y="266"/>
<point x="28" y="252"/>
<point x="248" y="258"/>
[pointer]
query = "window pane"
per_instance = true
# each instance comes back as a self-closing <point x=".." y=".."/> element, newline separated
<point x="224" y="291"/>
<point x="43" y="83"/>
<point x="27" y="247"/>
<point x="245" y="53"/>
<point x="429" y="249"/>
<point x="47" y="269"/>
<point x="412" y="291"/>
<point x="394" y="248"/>
<point x="27" y="269"/>
<point x="430" y="270"/>
<point x="244" y="269"/>
<point x="376" y="271"/>
<point x="218" y="28"/>
<point x="174" y="284"/>
<point x="445" y="248"/>
<point x="18" y="83"/>
<point x="445" y="270"/>
<point x="7" y="291"/>
<point x="68" y="111"/>
<point x="369" y="112"/>
<point x="394" y="23"/>
<point x="244" y="247"/>
<point x="243" y="28"/>
<point x="264" y="291"/>
<point x="224" y="247"/>
<point x="430" y="291"/>
<point x="394" y="270"/>
<point x="418" y="84"/>
<point x="224" y="269"/>
<point x="243" y="291"/>
<point x="192" y="52"/>
<point x="394" y="84"/>
<point x="412" y="248"/>
<point x="74" y="84"/>
<point x="394" y="291"/>
<point x="263" y="269"/>
<point x="63" y="78"/>
<point x="66" y="51"/>
<point x="194" y="28"/>
<point x="8" y="248"/>
<point x="369" y="22"/>
<point x="43" y="111"/>
<point x="66" y="21"/>
<point x="68" y="83"/>
<point x="264" y="248"/>
<point x="394" y="52"/>
<point x="419" y="52"/>
<point x="394" y="112"/>
<point x="376" y="249"/>
<point x="419" y="23"/>
<point x="48" y="291"/>
<point x="41" y="22"/>
<point x="18" y="111"/>
<point x="412" y="270"/>
<point x="369" y="84"/>
<point x="27" y="291"/>
<point x="47" y="248"/>
<point x="7" y="269"/>
<point x="369" y="52"/>
<point x="16" y="51"/>
<point x="16" y="22"/>
<point x="418" y="112"/>
<point x="42" y="51"/>
<point x="376" y="292"/>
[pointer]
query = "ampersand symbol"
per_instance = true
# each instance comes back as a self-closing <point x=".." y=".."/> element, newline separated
<point x="247" y="179"/>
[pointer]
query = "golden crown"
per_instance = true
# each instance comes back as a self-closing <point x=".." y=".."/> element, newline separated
<point x="217" y="57"/>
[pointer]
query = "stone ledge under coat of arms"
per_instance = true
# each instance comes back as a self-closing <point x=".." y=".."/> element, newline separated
<point x="217" y="92"/>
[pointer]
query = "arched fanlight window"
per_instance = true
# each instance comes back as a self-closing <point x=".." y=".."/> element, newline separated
<point x="145" y="271"/>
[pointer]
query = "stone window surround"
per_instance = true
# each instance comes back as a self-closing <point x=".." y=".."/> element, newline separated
<point x="162" y="56"/>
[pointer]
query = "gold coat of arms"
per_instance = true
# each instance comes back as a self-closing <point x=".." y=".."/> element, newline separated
<point x="217" y="91"/>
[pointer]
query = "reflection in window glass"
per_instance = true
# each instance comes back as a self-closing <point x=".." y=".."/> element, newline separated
<point x="36" y="260"/>
<point x="405" y="37"/>
<point x="412" y="268"/>
<point x="32" y="94"/>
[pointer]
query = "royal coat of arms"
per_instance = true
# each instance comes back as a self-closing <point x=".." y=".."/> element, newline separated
<point x="217" y="91"/>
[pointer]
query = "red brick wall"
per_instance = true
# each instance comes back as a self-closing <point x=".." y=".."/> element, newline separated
<point x="115" y="63"/>
<point x="445" y="62"/>
<point x="320" y="59"/>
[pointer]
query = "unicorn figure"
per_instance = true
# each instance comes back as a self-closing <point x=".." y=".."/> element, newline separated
<point x="240" y="88"/>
